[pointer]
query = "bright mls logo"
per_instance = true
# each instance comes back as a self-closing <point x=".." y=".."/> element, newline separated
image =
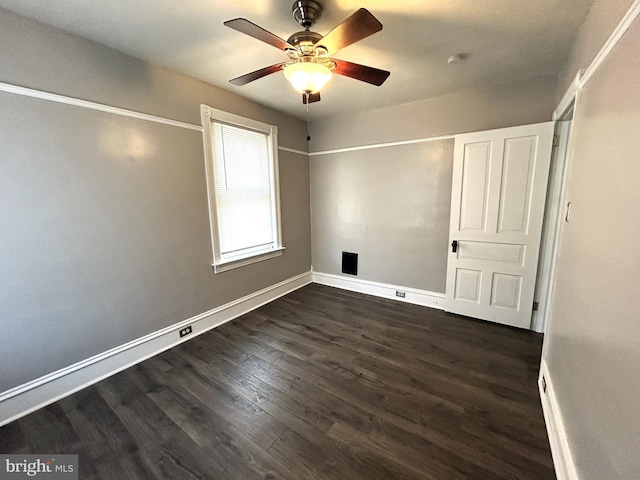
<point x="51" y="467"/>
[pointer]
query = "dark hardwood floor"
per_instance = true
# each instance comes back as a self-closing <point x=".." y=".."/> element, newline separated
<point x="319" y="384"/>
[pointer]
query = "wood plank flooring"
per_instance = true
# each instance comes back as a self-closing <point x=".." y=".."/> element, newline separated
<point x="319" y="384"/>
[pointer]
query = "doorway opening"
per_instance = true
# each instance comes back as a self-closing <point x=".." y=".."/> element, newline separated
<point x="552" y="225"/>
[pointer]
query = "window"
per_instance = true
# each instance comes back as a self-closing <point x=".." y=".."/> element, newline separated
<point x="242" y="179"/>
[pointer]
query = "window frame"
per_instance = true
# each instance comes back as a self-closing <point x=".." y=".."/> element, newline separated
<point x="229" y="262"/>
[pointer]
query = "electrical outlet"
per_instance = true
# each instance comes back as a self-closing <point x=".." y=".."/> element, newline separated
<point x="185" y="331"/>
<point x="400" y="294"/>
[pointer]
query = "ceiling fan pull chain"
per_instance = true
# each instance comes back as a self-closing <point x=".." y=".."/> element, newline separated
<point x="307" y="105"/>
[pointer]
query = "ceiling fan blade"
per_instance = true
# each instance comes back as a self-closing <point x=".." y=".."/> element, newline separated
<point x="250" y="77"/>
<point x="248" y="28"/>
<point x="358" y="26"/>
<point x="313" y="97"/>
<point x="371" y="75"/>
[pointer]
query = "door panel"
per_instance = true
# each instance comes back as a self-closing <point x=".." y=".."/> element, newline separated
<point x="497" y="207"/>
<point x="517" y="177"/>
<point x="468" y="285"/>
<point x="505" y="291"/>
<point x="475" y="181"/>
<point x="499" y="252"/>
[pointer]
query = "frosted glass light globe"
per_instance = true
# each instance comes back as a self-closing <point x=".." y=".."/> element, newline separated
<point x="307" y="77"/>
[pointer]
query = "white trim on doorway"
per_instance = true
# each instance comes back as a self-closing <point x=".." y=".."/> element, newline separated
<point x="568" y="98"/>
<point x="553" y="220"/>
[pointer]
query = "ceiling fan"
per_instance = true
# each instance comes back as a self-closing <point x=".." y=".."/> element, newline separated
<point x="310" y="65"/>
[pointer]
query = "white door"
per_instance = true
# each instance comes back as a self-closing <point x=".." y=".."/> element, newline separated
<point x="497" y="206"/>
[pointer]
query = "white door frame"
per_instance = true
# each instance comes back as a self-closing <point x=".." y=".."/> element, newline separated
<point x="554" y="216"/>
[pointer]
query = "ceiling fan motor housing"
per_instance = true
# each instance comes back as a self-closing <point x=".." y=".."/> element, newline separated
<point x="305" y="41"/>
<point x="306" y="12"/>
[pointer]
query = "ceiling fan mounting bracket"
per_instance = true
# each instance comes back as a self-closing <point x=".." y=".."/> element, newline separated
<point x="306" y="12"/>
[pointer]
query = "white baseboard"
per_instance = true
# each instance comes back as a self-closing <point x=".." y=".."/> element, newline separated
<point x="31" y="396"/>
<point x="562" y="458"/>
<point x="385" y="290"/>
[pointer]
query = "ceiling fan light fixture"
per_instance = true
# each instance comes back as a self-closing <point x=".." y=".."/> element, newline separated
<point x="307" y="77"/>
<point x="310" y="65"/>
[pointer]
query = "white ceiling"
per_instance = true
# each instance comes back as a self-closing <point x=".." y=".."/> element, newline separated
<point x="505" y="39"/>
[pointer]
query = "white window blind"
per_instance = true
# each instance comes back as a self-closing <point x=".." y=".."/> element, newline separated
<point x="242" y="181"/>
<point x="243" y="189"/>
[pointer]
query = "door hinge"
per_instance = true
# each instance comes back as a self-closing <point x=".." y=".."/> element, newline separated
<point x="556" y="140"/>
<point x="535" y="306"/>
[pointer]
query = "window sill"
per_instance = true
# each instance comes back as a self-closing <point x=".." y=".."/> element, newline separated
<point x="230" y="264"/>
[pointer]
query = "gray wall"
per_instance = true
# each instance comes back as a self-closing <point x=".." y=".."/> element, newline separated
<point x="104" y="218"/>
<point x="602" y="19"/>
<point x="391" y="205"/>
<point x="483" y="108"/>
<point x="592" y="345"/>
<point x="38" y="56"/>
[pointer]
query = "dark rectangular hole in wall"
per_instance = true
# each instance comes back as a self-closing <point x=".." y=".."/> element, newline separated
<point x="350" y="263"/>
